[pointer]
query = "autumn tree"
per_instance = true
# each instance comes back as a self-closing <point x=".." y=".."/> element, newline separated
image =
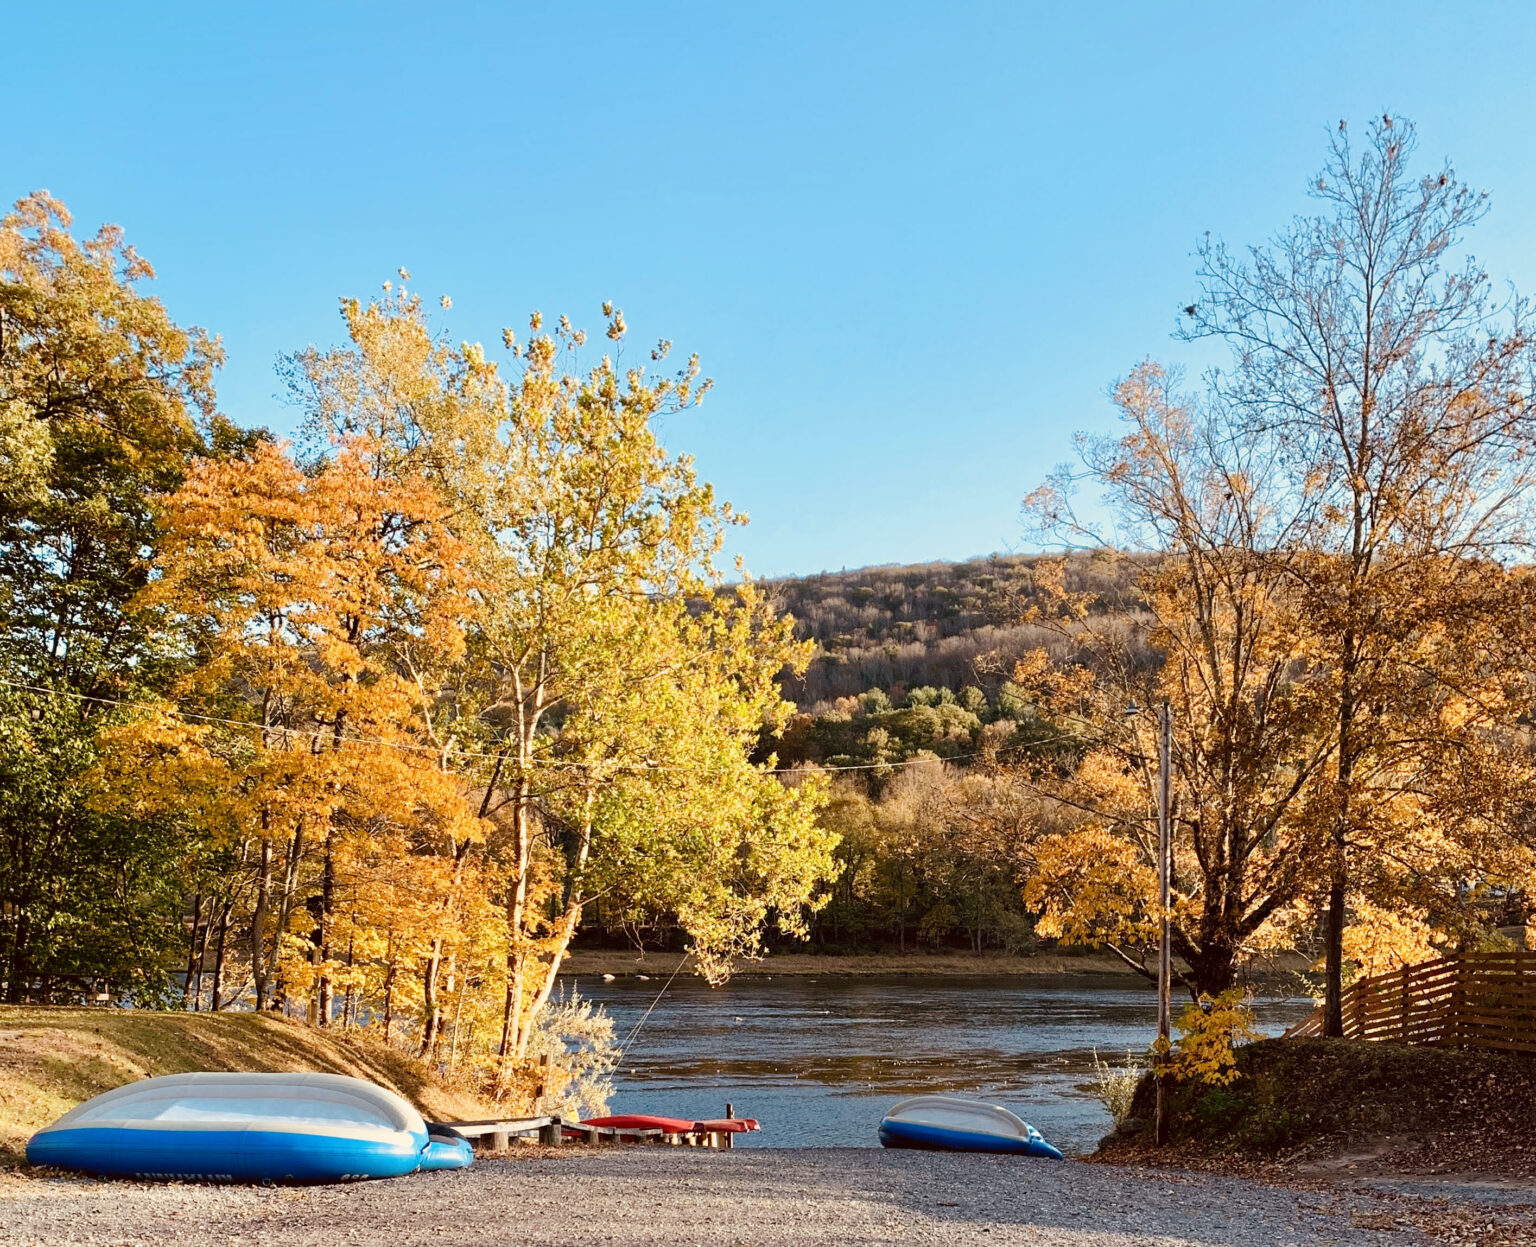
<point x="101" y="396"/>
<point x="609" y="698"/>
<point x="311" y="607"/>
<point x="103" y="401"/>
<point x="1371" y="353"/>
<point x="1219" y="638"/>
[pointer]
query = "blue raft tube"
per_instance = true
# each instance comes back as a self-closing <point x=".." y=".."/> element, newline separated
<point x="942" y="1123"/>
<point x="248" y="1128"/>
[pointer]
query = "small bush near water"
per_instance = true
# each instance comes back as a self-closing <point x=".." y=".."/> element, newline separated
<point x="1115" y="1085"/>
<point x="577" y="1036"/>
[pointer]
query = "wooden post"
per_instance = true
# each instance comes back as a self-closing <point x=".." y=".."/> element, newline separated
<point x="1402" y="1003"/>
<point x="1520" y="1007"/>
<point x="538" y="1091"/>
<point x="1165" y="896"/>
<point x="1458" y="1002"/>
<point x="552" y="1135"/>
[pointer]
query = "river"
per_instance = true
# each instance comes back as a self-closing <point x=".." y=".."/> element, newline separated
<point x="817" y="1059"/>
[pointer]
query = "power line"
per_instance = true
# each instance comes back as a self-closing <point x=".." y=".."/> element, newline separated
<point x="634" y="1031"/>
<point x="407" y="746"/>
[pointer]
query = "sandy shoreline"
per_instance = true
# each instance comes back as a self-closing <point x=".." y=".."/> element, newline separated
<point x="647" y="1197"/>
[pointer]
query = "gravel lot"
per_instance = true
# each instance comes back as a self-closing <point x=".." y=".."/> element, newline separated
<point x="678" y="1197"/>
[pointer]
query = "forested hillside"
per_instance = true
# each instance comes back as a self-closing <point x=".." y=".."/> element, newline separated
<point x="911" y="704"/>
<point x="918" y="659"/>
<point x="947" y="625"/>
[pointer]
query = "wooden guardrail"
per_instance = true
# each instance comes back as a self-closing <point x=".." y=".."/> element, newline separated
<point x="1471" y="1000"/>
<point x="496" y="1134"/>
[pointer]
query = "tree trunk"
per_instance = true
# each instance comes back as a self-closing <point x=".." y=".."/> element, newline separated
<point x="19" y="971"/>
<point x="432" y="1030"/>
<point x="217" y="1002"/>
<point x="346" y="1005"/>
<point x="1333" y="939"/>
<point x="201" y="931"/>
<point x="517" y="905"/>
<point x="1338" y="865"/>
<point x="1212" y="969"/>
<point x="389" y="995"/>
<point x="285" y="900"/>
<point x="565" y="931"/>
<point x="324" y="991"/>
<point x="187" y="999"/>
<point x="431" y="1010"/>
<point x="259" y="920"/>
<point x="453" y="1047"/>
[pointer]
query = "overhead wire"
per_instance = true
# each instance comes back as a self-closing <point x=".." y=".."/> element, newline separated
<point x="634" y="1030"/>
<point x="406" y="746"/>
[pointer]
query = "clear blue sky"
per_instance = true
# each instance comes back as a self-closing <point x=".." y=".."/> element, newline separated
<point x="913" y="243"/>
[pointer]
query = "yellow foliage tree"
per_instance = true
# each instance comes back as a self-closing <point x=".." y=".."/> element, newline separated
<point x="612" y="691"/>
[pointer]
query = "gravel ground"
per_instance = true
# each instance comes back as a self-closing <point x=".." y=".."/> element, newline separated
<point x="755" y="1198"/>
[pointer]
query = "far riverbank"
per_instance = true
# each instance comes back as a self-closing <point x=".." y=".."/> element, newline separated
<point x="961" y="965"/>
<point x="625" y="961"/>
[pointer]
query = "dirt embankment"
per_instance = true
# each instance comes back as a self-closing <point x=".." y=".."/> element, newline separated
<point x="1347" y="1108"/>
<point x="52" y="1059"/>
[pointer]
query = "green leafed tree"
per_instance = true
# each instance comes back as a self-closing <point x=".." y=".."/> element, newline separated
<point x="103" y="401"/>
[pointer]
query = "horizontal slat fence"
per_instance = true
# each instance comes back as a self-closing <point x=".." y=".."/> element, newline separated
<point x="1472" y="1000"/>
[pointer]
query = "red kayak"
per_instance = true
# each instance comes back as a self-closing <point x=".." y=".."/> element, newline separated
<point x="675" y="1125"/>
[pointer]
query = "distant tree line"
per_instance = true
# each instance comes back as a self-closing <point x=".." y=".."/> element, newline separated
<point x="941" y="624"/>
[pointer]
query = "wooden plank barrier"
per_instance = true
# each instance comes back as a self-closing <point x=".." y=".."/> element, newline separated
<point x="1470" y="1000"/>
<point x="496" y="1134"/>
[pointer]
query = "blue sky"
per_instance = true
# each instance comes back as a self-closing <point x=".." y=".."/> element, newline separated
<point x="913" y="243"/>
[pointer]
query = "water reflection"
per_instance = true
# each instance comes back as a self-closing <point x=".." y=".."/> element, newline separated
<point x="817" y="1060"/>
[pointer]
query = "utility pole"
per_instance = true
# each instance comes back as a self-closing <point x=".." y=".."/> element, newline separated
<point x="1165" y="896"/>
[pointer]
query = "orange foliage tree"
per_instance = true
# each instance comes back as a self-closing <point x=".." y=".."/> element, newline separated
<point x="310" y="607"/>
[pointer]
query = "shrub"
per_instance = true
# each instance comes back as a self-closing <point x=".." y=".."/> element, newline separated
<point x="1210" y="1032"/>
<point x="1115" y="1085"/>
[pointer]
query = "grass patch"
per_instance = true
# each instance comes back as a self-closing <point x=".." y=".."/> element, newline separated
<point x="1312" y="1097"/>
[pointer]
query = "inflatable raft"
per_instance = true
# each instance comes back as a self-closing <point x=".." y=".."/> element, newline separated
<point x="947" y="1124"/>
<point x="248" y="1128"/>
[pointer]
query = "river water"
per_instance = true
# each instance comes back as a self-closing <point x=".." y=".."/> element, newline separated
<point x="818" y="1059"/>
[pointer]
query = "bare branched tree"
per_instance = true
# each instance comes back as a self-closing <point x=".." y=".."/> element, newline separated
<point x="1394" y="386"/>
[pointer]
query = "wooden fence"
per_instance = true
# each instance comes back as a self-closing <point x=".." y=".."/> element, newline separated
<point x="1473" y="1000"/>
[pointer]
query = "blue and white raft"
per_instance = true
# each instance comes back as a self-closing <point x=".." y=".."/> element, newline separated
<point x="946" y="1124"/>
<point x="248" y="1128"/>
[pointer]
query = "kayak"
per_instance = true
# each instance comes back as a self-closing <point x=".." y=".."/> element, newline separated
<point x="947" y="1124"/>
<point x="248" y="1128"/>
<point x="675" y="1125"/>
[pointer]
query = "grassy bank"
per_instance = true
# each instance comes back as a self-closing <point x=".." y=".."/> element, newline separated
<point x="1337" y="1105"/>
<point x="52" y="1059"/>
